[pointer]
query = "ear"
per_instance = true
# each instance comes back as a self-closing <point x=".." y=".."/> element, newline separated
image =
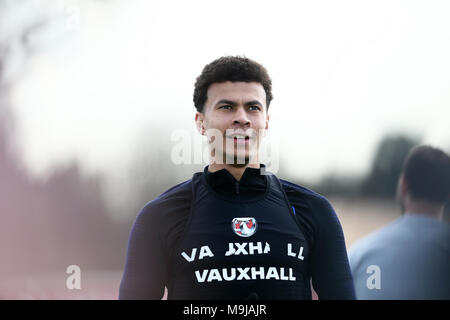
<point x="267" y="122"/>
<point x="400" y="192"/>
<point x="405" y="187"/>
<point x="200" y="122"/>
<point x="402" y="186"/>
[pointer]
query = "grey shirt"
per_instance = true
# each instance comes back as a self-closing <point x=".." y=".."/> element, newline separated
<point x="407" y="259"/>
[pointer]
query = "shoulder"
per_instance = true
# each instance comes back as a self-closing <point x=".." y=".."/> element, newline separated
<point x="376" y="242"/>
<point x="174" y="199"/>
<point x="386" y="235"/>
<point x="301" y="191"/>
<point x="307" y="199"/>
<point x="180" y="190"/>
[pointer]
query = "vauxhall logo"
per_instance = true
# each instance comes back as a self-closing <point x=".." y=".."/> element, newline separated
<point x="245" y="227"/>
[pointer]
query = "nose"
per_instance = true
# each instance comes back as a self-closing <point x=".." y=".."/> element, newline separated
<point x="241" y="118"/>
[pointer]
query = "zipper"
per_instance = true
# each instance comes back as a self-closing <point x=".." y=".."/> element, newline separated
<point x="237" y="187"/>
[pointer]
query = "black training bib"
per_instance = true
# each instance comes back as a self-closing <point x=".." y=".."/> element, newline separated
<point x="240" y="249"/>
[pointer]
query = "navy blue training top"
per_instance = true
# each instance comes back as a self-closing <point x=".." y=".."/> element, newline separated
<point x="213" y="237"/>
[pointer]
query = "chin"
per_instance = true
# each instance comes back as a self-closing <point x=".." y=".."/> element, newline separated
<point x="238" y="165"/>
<point x="235" y="162"/>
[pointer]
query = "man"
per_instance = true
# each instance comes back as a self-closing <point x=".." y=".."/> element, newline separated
<point x="410" y="258"/>
<point x="233" y="231"/>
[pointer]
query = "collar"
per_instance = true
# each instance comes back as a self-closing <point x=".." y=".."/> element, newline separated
<point x="253" y="182"/>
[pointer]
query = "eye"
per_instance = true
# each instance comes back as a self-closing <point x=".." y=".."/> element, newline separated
<point x="255" y="107"/>
<point x="227" y="107"/>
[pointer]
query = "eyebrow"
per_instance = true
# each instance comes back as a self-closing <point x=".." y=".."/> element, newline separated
<point x="233" y="103"/>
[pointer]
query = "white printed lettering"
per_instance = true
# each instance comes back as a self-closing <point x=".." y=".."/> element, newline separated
<point x="243" y="274"/>
<point x="290" y="253"/>
<point x="201" y="278"/>
<point x="231" y="250"/>
<point x="272" y="273"/>
<point x="256" y="273"/>
<point x="240" y="247"/>
<point x="300" y="254"/>
<point x="293" y="254"/>
<point x="259" y="273"/>
<point x="252" y="247"/>
<point x="291" y="275"/>
<point x="225" y="274"/>
<point x="282" y="276"/>
<point x="266" y="248"/>
<point x="189" y="258"/>
<point x="214" y="275"/>
<point x="205" y="251"/>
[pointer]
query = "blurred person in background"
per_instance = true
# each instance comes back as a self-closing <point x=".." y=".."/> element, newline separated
<point x="446" y="215"/>
<point x="235" y="231"/>
<point x="410" y="258"/>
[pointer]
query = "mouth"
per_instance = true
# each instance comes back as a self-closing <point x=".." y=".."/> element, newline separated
<point x="239" y="138"/>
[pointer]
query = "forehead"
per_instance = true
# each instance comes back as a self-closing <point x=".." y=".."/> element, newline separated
<point x="239" y="92"/>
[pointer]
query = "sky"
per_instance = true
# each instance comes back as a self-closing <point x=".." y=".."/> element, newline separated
<point x="345" y="73"/>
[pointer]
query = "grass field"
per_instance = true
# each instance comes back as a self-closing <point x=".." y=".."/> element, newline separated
<point x="358" y="218"/>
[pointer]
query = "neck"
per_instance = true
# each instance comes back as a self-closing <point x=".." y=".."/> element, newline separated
<point x="236" y="170"/>
<point x="431" y="210"/>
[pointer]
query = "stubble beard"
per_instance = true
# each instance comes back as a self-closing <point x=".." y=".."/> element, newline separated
<point x="233" y="153"/>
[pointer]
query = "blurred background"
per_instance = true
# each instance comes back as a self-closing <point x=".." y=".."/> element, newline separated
<point x="92" y="91"/>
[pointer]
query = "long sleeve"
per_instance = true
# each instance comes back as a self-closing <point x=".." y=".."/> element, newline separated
<point x="145" y="272"/>
<point x="330" y="270"/>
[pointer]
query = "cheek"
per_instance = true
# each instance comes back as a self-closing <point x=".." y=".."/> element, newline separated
<point x="215" y="120"/>
<point x="260" y="120"/>
<point x="220" y="123"/>
<point x="260" y="126"/>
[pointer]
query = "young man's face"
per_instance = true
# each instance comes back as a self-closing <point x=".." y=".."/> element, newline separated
<point x="236" y="113"/>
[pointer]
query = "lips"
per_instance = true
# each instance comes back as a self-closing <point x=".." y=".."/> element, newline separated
<point x="239" y="138"/>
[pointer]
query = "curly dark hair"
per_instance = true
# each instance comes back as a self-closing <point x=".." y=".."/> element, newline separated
<point x="231" y="68"/>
